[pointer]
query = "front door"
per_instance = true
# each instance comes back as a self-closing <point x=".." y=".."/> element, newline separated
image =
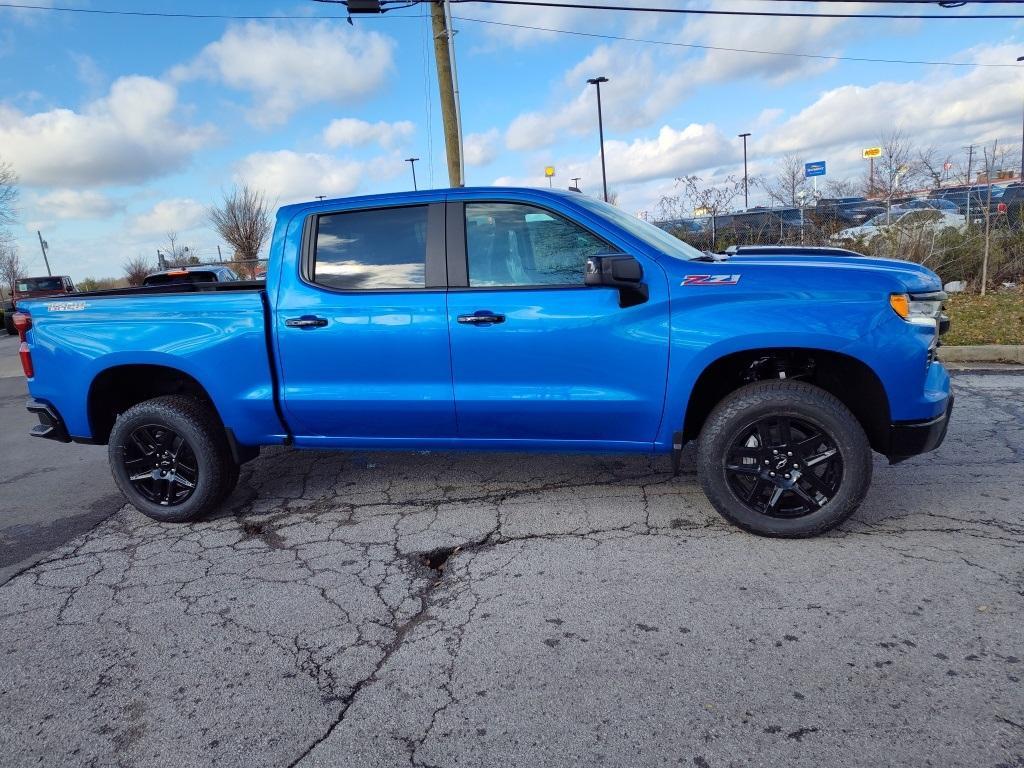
<point x="538" y="357"/>
<point x="363" y="333"/>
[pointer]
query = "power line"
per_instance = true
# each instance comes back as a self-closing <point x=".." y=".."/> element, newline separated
<point x="534" y="3"/>
<point x="731" y="50"/>
<point x="721" y="12"/>
<point x="194" y="16"/>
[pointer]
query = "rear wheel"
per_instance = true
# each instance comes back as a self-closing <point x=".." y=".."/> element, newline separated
<point x="9" y="323"/>
<point x="170" y="458"/>
<point x="784" y="458"/>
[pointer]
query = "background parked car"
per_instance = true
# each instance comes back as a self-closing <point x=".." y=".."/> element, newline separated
<point x="197" y="274"/>
<point x="845" y="212"/>
<point x="920" y="218"/>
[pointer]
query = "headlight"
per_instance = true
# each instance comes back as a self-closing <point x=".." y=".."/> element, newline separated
<point x="918" y="308"/>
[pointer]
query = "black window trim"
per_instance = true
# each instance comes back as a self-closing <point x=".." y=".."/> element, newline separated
<point x="434" y="264"/>
<point x="458" y="255"/>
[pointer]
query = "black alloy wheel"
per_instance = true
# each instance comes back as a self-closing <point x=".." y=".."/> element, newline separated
<point x="161" y="465"/>
<point x="784" y="467"/>
<point x="171" y="459"/>
<point x="783" y="458"/>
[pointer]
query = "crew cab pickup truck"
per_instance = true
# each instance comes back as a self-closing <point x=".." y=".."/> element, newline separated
<point x="504" y="319"/>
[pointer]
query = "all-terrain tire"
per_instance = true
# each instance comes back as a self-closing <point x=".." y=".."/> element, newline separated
<point x="767" y="400"/>
<point x="201" y="431"/>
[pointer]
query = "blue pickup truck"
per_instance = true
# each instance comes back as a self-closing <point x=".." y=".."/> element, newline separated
<point x="504" y="319"/>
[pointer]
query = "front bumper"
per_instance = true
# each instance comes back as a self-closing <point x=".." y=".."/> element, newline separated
<point x="908" y="439"/>
<point x="51" y="425"/>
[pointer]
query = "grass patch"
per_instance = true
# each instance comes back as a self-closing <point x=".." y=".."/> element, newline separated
<point x="997" y="318"/>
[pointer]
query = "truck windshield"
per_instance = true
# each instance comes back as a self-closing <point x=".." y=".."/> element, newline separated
<point x="40" y="284"/>
<point x="654" y="236"/>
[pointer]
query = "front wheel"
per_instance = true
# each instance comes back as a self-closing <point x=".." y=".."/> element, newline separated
<point x="784" y="458"/>
<point x="170" y="458"/>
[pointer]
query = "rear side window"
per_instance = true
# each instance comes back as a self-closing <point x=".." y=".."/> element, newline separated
<point x="379" y="249"/>
<point x="513" y="244"/>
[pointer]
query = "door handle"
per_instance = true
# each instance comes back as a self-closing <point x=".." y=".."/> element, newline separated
<point x="481" y="317"/>
<point x="306" y="321"/>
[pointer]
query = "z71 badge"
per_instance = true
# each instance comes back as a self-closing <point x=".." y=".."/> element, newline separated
<point x="710" y="280"/>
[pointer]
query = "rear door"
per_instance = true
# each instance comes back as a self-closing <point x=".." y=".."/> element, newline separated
<point x="538" y="357"/>
<point x="362" y="330"/>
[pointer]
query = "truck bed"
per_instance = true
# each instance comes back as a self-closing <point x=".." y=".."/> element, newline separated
<point x="145" y="290"/>
<point x="81" y="341"/>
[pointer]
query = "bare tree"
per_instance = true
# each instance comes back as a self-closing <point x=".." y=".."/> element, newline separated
<point x="244" y="221"/>
<point x="8" y="193"/>
<point x="11" y="268"/>
<point x="841" y="188"/>
<point x="177" y="254"/>
<point x="789" y="181"/>
<point x="933" y="165"/>
<point x="699" y="198"/>
<point x="897" y="169"/>
<point x="991" y="157"/>
<point x="136" y="269"/>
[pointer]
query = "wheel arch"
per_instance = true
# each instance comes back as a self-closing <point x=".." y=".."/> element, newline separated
<point x="849" y="379"/>
<point x="117" y="388"/>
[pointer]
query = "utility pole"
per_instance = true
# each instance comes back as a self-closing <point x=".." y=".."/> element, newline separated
<point x="412" y="162"/>
<point x="44" y="246"/>
<point x="596" y="81"/>
<point x="746" y="199"/>
<point x="440" y="19"/>
<point x="220" y="256"/>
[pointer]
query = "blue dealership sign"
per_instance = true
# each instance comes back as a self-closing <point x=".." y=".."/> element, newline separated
<point x="814" y="169"/>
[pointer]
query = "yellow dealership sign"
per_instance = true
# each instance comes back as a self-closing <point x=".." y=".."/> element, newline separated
<point x="871" y="152"/>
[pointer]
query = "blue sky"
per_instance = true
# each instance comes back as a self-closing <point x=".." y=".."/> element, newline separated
<point x="124" y="128"/>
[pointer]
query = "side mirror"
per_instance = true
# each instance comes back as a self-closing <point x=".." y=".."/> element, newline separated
<point x="619" y="271"/>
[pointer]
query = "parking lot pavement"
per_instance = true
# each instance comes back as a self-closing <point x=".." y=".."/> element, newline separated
<point x="49" y="493"/>
<point x="430" y="609"/>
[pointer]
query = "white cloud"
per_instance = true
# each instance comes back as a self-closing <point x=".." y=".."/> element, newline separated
<point x="76" y="204"/>
<point x="287" y="67"/>
<point x="480" y="148"/>
<point x="178" y="214"/>
<point x="670" y="153"/>
<point x="649" y="81"/>
<point x="350" y="132"/>
<point x="941" y="108"/>
<point x="294" y="176"/>
<point x="130" y="135"/>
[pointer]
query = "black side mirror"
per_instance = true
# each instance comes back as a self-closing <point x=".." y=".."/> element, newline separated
<point x="622" y="272"/>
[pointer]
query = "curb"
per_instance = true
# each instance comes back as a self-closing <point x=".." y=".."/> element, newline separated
<point x="983" y="353"/>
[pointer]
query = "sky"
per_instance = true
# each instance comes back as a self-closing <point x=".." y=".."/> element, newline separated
<point x="122" y="129"/>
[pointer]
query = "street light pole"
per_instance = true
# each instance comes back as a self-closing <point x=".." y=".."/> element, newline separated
<point x="412" y="163"/>
<point x="1021" y="58"/>
<point x="746" y="198"/>
<point x="596" y="81"/>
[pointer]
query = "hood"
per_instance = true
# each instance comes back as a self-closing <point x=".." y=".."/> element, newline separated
<point x="831" y="272"/>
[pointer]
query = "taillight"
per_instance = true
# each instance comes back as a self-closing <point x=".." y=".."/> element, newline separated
<point x="22" y="322"/>
<point x="26" y="360"/>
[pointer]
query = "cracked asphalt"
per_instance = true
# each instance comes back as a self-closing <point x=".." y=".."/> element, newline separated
<point x="475" y="610"/>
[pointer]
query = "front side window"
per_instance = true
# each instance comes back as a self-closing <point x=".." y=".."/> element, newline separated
<point x="379" y="249"/>
<point x="514" y="244"/>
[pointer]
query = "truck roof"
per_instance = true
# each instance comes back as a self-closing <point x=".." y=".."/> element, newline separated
<point x="413" y="196"/>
